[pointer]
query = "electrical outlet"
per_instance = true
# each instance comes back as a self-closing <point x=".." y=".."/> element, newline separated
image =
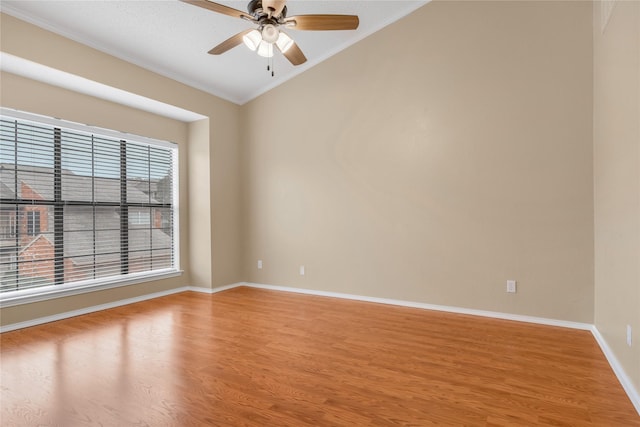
<point x="511" y="286"/>
<point x="259" y="264"/>
<point x="302" y="270"/>
<point x="629" y="336"/>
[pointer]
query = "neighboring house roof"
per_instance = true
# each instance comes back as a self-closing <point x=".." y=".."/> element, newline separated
<point x="78" y="242"/>
<point x="74" y="187"/>
<point x="79" y="220"/>
<point x="33" y="241"/>
<point x="78" y="238"/>
<point x="147" y="186"/>
<point x="5" y="191"/>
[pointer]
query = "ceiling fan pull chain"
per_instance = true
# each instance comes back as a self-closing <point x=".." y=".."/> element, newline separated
<point x="270" y="66"/>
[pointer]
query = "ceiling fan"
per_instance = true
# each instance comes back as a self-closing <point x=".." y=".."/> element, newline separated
<point x="270" y="16"/>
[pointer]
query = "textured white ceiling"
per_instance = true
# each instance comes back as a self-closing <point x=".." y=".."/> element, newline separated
<point x="172" y="38"/>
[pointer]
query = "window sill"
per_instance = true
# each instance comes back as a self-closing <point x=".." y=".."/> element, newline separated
<point x="9" y="299"/>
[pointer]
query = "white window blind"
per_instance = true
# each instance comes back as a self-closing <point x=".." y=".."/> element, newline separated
<point x="79" y="206"/>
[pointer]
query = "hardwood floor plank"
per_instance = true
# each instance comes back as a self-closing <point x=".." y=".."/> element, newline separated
<point x="251" y="357"/>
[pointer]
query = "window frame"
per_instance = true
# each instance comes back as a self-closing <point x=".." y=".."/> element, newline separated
<point x="9" y="223"/>
<point x="29" y="295"/>
<point x="33" y="223"/>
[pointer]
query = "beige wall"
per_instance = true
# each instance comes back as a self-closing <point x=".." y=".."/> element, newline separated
<point x="200" y="214"/>
<point x="433" y="161"/>
<point x="430" y="162"/>
<point x="617" y="181"/>
<point x="210" y="188"/>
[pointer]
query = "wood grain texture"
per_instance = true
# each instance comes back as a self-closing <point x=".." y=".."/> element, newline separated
<point x="294" y="55"/>
<point x="229" y="43"/>
<point x="250" y="357"/>
<point x="219" y="8"/>
<point x="324" y="22"/>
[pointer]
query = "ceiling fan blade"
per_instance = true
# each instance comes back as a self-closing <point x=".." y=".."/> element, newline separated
<point x="229" y="43"/>
<point x="215" y="7"/>
<point x="323" y="22"/>
<point x="295" y="55"/>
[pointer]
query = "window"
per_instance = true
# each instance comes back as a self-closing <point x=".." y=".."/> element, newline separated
<point x="139" y="218"/>
<point x="7" y="224"/>
<point x="33" y="223"/>
<point x="80" y="206"/>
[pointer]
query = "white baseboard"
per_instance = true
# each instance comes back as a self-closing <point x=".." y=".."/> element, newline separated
<point x="450" y="309"/>
<point x="92" y="309"/>
<point x="624" y="379"/>
<point x="214" y="290"/>
<point x="622" y="376"/>
<point x="425" y="306"/>
<point x="79" y="312"/>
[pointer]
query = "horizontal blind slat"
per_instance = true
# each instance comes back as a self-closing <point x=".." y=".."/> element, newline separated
<point x="86" y="168"/>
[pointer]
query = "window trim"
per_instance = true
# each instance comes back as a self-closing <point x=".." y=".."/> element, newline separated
<point x="44" y="293"/>
<point x="82" y="128"/>
<point x="25" y="296"/>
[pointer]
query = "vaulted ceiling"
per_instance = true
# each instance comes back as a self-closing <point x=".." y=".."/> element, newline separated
<point x="172" y="38"/>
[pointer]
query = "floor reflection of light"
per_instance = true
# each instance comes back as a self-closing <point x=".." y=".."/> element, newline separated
<point x="19" y="371"/>
<point x="98" y="368"/>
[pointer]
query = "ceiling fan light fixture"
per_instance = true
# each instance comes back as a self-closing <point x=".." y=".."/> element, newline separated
<point x="268" y="16"/>
<point x="284" y="42"/>
<point x="270" y="33"/>
<point x="252" y="40"/>
<point x="265" y="49"/>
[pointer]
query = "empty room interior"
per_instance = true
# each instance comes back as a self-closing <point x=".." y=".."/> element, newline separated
<point x="432" y="218"/>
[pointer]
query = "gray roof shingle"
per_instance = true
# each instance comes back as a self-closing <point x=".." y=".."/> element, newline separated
<point x="78" y="235"/>
<point x="79" y="220"/>
<point x="74" y="187"/>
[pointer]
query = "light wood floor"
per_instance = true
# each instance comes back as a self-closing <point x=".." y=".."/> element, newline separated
<point x="249" y="357"/>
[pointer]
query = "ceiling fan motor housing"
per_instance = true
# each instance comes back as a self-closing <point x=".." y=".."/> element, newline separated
<point x="256" y="9"/>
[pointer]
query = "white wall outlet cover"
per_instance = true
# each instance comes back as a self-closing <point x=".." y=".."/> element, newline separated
<point x="629" y="335"/>
<point x="259" y="264"/>
<point x="511" y="286"/>
<point x="302" y="270"/>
